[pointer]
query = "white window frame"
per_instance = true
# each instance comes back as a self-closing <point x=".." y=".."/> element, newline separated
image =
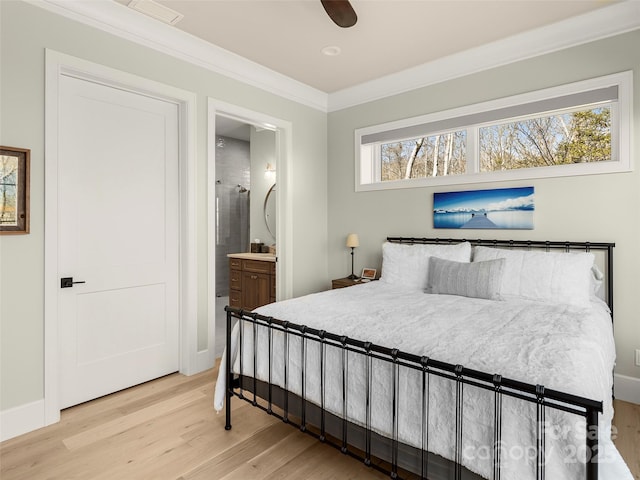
<point x="367" y="156"/>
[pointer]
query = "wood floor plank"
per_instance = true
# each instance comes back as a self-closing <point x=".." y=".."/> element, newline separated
<point x="167" y="430"/>
<point x="312" y="465"/>
<point x="247" y="422"/>
<point x="154" y="395"/>
<point x="225" y="462"/>
<point x="627" y="423"/>
<point x="128" y="448"/>
<point x="128" y="397"/>
<point x="266" y="462"/>
<point x="126" y="422"/>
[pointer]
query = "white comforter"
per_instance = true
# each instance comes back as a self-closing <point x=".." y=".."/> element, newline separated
<point x="566" y="348"/>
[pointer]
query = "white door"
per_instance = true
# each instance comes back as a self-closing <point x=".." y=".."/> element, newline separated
<point x="118" y="232"/>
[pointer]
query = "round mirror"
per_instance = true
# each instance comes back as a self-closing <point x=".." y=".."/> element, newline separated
<point x="270" y="211"/>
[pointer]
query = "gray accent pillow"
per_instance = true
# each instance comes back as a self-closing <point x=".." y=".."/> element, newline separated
<point x="476" y="279"/>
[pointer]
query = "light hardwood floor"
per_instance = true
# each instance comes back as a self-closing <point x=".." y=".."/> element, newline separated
<point x="167" y="430"/>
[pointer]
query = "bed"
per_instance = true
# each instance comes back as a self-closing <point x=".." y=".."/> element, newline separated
<point x="466" y="360"/>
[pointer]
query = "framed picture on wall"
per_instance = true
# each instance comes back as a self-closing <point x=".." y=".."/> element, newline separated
<point x="14" y="190"/>
<point x="498" y="208"/>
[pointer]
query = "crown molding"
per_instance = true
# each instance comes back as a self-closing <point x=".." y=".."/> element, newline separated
<point x="598" y="24"/>
<point x="118" y="20"/>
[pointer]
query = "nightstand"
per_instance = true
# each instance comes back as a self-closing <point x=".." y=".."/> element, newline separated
<point x="344" y="282"/>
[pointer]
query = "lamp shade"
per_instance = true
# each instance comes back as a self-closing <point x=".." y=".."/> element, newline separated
<point x="352" y="240"/>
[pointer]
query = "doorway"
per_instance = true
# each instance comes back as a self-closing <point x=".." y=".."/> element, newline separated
<point x="234" y="132"/>
<point x="245" y="166"/>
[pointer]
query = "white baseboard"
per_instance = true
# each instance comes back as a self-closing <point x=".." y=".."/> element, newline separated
<point x="22" y="419"/>
<point x="626" y="388"/>
<point x="204" y="360"/>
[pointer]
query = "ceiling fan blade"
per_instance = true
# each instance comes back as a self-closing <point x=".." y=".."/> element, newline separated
<point x="341" y="12"/>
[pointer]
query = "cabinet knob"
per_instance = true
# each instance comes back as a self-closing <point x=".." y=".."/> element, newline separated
<point x="254" y="277"/>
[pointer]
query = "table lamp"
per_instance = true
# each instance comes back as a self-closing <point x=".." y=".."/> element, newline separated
<point x="352" y="242"/>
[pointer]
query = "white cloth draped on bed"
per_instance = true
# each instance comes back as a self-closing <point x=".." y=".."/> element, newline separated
<point x="566" y="348"/>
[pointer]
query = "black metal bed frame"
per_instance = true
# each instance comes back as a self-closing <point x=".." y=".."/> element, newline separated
<point x="367" y="445"/>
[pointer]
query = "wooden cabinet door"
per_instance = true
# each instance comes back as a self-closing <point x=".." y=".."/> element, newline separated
<point x="256" y="289"/>
<point x="235" y="298"/>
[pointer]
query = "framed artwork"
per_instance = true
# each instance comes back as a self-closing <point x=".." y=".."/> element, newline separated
<point x="14" y="190"/>
<point x="499" y="208"/>
<point x="368" y="273"/>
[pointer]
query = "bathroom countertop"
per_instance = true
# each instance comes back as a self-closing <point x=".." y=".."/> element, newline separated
<point x="265" y="257"/>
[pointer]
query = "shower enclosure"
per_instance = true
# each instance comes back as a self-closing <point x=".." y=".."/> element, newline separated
<point x="232" y="205"/>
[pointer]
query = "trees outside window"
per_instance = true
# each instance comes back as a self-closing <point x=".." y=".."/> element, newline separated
<point x="436" y="155"/>
<point x="577" y="137"/>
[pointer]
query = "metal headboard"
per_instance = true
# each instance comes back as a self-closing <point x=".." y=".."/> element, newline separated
<point x="529" y="245"/>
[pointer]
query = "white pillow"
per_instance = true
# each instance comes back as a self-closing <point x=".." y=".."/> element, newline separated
<point x="474" y="280"/>
<point x="545" y="276"/>
<point x="408" y="265"/>
<point x="597" y="278"/>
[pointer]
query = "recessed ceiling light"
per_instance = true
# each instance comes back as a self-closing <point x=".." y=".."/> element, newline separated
<point x="331" y="51"/>
<point x="157" y="11"/>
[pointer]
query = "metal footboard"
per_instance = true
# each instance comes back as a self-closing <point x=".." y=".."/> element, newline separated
<point x="314" y="419"/>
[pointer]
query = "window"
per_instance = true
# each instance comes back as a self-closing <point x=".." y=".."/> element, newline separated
<point x="577" y="129"/>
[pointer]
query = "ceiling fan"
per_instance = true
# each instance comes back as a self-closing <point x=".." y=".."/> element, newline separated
<point x="341" y="12"/>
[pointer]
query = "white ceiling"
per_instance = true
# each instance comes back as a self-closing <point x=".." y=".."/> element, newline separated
<point x="287" y="36"/>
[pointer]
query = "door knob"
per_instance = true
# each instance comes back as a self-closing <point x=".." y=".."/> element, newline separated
<point x="68" y="282"/>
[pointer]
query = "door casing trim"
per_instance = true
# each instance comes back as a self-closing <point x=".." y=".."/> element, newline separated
<point x="58" y="64"/>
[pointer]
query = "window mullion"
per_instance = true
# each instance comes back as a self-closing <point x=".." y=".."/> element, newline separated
<point x="376" y="163"/>
<point x="616" y="130"/>
<point x="473" y="149"/>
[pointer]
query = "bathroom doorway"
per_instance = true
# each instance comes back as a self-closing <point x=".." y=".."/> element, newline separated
<point x="280" y="133"/>
<point x="245" y="175"/>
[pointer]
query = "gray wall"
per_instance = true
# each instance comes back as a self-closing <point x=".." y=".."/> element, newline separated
<point x="595" y="207"/>
<point x="25" y="32"/>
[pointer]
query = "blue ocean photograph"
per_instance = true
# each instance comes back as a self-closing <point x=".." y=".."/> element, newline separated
<point x="501" y="208"/>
